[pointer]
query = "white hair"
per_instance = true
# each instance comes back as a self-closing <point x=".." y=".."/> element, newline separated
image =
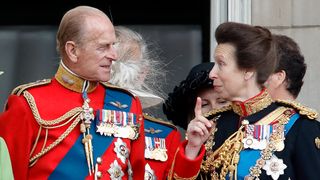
<point x="137" y="67"/>
<point x="126" y="74"/>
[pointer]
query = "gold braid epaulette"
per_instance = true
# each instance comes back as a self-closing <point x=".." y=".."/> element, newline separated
<point x="303" y="110"/>
<point x="214" y="112"/>
<point x="19" y="89"/>
<point x="159" y="120"/>
<point x="112" y="86"/>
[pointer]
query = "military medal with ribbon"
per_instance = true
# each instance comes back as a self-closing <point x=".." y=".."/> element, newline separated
<point x="257" y="136"/>
<point x="279" y="137"/>
<point x="118" y="124"/>
<point x="156" y="148"/>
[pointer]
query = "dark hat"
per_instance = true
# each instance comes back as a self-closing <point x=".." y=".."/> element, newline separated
<point x="181" y="102"/>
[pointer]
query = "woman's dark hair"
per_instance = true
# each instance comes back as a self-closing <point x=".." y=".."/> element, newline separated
<point x="255" y="47"/>
<point x="179" y="106"/>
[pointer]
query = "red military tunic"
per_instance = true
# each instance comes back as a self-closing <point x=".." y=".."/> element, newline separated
<point x="164" y="152"/>
<point x="184" y="168"/>
<point x="59" y="147"/>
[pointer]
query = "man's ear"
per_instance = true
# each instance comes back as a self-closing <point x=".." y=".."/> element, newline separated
<point x="248" y="74"/>
<point x="278" y="78"/>
<point x="281" y="76"/>
<point x="71" y="51"/>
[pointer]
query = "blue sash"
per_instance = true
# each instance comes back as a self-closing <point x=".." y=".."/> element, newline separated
<point x="74" y="163"/>
<point x="248" y="157"/>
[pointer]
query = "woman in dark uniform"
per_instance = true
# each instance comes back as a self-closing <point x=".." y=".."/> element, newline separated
<point x="255" y="137"/>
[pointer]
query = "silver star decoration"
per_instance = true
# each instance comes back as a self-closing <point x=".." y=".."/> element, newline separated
<point x="121" y="150"/>
<point x="274" y="167"/>
<point x="115" y="171"/>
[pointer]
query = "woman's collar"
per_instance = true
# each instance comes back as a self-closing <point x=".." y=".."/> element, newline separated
<point x="252" y="105"/>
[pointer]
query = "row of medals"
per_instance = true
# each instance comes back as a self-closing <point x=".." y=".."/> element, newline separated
<point x="118" y="124"/>
<point x="260" y="140"/>
<point x="155" y="149"/>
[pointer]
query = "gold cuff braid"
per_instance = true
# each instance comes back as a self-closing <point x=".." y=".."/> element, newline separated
<point x="172" y="175"/>
<point x="175" y="176"/>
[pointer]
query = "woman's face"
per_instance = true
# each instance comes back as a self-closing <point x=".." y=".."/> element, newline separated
<point x="211" y="100"/>
<point x="228" y="78"/>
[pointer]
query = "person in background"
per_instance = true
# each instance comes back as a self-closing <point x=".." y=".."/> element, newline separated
<point x="256" y="138"/>
<point x="85" y="128"/>
<point x="137" y="69"/>
<point x="286" y="82"/>
<point x="180" y="104"/>
<point x="5" y="162"/>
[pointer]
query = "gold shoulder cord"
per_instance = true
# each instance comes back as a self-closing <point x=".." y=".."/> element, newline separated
<point x="225" y="153"/>
<point x="210" y="142"/>
<point x="213" y="115"/>
<point x="50" y="124"/>
<point x="226" y="157"/>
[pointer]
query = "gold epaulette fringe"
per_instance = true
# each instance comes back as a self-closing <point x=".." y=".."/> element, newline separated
<point x="303" y="110"/>
<point x="214" y="112"/>
<point x="19" y="89"/>
<point x="158" y="120"/>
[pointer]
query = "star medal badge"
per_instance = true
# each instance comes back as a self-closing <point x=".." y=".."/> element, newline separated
<point x="149" y="173"/>
<point x="274" y="167"/>
<point x="121" y="150"/>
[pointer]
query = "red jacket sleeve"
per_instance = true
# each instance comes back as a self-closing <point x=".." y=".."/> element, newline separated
<point x="172" y="149"/>
<point x="184" y="168"/>
<point x="137" y="152"/>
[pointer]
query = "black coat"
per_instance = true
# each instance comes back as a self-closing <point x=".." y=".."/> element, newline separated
<point x="301" y="154"/>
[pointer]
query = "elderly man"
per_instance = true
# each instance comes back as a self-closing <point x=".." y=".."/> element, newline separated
<point x="74" y="126"/>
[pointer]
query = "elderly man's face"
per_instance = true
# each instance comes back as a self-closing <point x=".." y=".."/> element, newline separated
<point x="96" y="53"/>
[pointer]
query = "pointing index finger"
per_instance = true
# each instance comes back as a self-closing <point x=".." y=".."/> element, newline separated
<point x="197" y="108"/>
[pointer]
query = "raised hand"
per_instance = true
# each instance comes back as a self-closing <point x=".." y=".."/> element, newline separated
<point x="198" y="131"/>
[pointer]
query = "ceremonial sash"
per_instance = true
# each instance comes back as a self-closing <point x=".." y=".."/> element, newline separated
<point x="248" y="157"/>
<point x="75" y="160"/>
